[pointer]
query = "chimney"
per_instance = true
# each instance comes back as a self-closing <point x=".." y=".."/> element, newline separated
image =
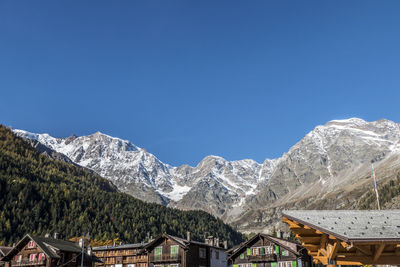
<point x="188" y="236"/>
<point x="55" y="236"/>
<point x="81" y="242"/>
<point x="281" y="233"/>
<point x="225" y="244"/>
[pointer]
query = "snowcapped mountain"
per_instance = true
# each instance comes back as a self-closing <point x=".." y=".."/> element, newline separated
<point x="327" y="161"/>
<point x="135" y="171"/>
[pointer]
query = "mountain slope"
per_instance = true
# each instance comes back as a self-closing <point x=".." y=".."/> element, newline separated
<point x="317" y="172"/>
<point x="41" y="195"/>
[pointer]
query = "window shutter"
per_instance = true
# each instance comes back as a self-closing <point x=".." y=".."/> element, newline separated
<point x="254" y="265"/>
<point x="235" y="265"/>
<point x="263" y="251"/>
<point x="248" y="251"/>
<point x="242" y="256"/>
<point x="294" y="263"/>
<point x="273" y="264"/>
<point x="277" y="250"/>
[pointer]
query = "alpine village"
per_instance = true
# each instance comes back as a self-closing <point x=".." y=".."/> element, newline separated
<point x="58" y="213"/>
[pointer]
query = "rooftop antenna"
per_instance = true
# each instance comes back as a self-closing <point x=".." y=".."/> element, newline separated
<point x="375" y="186"/>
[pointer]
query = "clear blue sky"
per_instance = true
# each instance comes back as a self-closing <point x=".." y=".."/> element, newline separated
<point x="186" y="79"/>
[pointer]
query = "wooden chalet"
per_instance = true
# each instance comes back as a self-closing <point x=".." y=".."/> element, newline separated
<point x="268" y="251"/>
<point x="171" y="251"/>
<point x="33" y="251"/>
<point x="129" y="255"/>
<point x="348" y="237"/>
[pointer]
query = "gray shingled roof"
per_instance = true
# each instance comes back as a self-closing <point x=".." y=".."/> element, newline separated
<point x="49" y="246"/>
<point x="4" y="250"/>
<point x="353" y="225"/>
<point x="125" y="246"/>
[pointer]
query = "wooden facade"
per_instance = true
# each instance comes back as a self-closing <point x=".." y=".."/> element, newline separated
<point x="170" y="251"/>
<point x="268" y="251"/>
<point x="130" y="255"/>
<point x="33" y="251"/>
<point x="343" y="237"/>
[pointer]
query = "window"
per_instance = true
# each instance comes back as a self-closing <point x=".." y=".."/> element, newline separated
<point x="285" y="253"/>
<point x="202" y="253"/>
<point x="255" y="251"/>
<point x="217" y="255"/>
<point x="286" y="264"/>
<point x="174" y="265"/>
<point x="131" y="265"/>
<point x="269" y="250"/>
<point x="157" y="253"/>
<point x="18" y="258"/>
<point x="32" y="257"/>
<point x="31" y="244"/>
<point x="42" y="257"/>
<point x="174" y="251"/>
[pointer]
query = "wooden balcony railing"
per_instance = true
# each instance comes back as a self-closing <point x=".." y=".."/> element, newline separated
<point x="165" y="258"/>
<point x="264" y="257"/>
<point x="28" y="263"/>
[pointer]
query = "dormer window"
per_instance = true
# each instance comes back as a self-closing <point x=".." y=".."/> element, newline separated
<point x="31" y="244"/>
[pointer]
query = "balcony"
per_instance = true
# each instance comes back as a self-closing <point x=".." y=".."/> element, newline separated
<point x="165" y="258"/>
<point x="264" y="257"/>
<point x="28" y="263"/>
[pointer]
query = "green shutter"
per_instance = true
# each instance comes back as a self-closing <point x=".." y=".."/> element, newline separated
<point x="294" y="263"/>
<point x="273" y="264"/>
<point x="262" y="251"/>
<point x="277" y="250"/>
<point x="235" y="265"/>
<point x="254" y="265"/>
<point x="248" y="251"/>
<point x="242" y="256"/>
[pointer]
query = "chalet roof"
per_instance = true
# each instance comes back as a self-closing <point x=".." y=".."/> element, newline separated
<point x="291" y="246"/>
<point x="117" y="247"/>
<point x="4" y="250"/>
<point x="49" y="246"/>
<point x="351" y="225"/>
<point x="183" y="242"/>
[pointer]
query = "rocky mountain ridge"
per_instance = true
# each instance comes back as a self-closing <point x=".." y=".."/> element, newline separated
<point x="242" y="192"/>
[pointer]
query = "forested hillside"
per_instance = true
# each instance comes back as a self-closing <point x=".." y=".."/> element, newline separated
<point x="39" y="195"/>
<point x="389" y="194"/>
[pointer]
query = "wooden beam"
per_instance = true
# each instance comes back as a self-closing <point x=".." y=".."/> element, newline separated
<point x="314" y="239"/>
<point x="302" y="231"/>
<point x="322" y="251"/>
<point x="364" y="250"/>
<point x="334" y="250"/>
<point x="311" y="246"/>
<point x="292" y="224"/>
<point x="322" y="243"/>
<point x="379" y="251"/>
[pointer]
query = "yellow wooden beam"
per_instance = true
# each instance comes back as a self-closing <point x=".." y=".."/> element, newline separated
<point x="334" y="250"/>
